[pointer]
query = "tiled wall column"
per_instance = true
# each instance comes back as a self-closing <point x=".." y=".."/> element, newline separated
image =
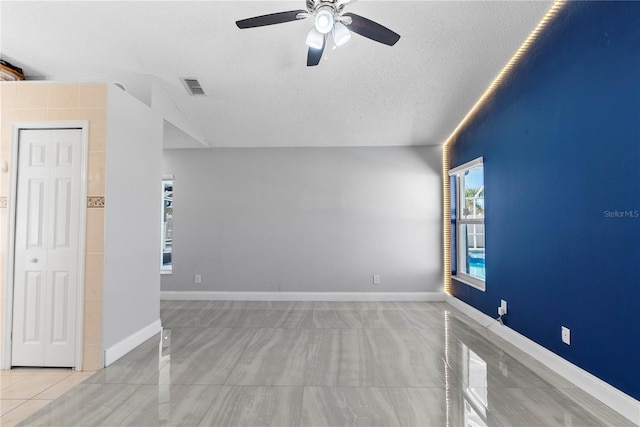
<point x="4" y="185"/>
<point x="40" y="101"/>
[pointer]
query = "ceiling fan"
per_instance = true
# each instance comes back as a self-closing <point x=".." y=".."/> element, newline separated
<point x="329" y="18"/>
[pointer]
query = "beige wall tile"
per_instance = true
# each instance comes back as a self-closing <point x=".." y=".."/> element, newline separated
<point x="94" y="275"/>
<point x="95" y="230"/>
<point x="92" y="357"/>
<point x="8" y="117"/>
<point x="97" y="139"/>
<point x="97" y="117"/>
<point x="1" y="302"/>
<point x="95" y="174"/>
<point x="92" y="321"/>
<point x="5" y="181"/>
<point x="4" y="217"/>
<point x="32" y="95"/>
<point x="62" y="114"/>
<point x="2" y="274"/>
<point x="92" y="96"/>
<point x="9" y="95"/>
<point x="3" y="257"/>
<point x="63" y="96"/>
<point x="32" y="114"/>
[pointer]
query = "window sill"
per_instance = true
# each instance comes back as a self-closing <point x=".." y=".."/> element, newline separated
<point x="166" y="272"/>
<point x="470" y="280"/>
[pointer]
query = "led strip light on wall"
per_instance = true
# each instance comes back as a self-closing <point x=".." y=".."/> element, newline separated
<point x="500" y="78"/>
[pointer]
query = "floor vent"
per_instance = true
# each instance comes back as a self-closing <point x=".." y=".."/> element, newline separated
<point x="193" y="86"/>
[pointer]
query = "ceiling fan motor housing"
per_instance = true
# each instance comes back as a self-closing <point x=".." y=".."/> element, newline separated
<point x="313" y="5"/>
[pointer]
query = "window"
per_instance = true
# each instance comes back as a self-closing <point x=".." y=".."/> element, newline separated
<point x="167" y="226"/>
<point x="467" y="183"/>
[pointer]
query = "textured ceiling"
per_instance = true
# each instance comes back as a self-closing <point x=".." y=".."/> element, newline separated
<point x="260" y="91"/>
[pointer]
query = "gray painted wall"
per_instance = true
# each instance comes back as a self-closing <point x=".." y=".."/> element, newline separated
<point x="306" y="219"/>
<point x="132" y="217"/>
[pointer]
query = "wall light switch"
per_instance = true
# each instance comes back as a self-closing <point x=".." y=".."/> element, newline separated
<point x="566" y="335"/>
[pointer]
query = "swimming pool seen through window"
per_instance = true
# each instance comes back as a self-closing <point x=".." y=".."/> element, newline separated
<point x="468" y="231"/>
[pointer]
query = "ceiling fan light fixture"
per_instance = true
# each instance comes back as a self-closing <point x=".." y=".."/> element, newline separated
<point x="315" y="39"/>
<point x="324" y="20"/>
<point x="341" y="34"/>
<point x="328" y="18"/>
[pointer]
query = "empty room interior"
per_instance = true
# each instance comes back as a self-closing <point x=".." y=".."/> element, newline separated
<point x="320" y="213"/>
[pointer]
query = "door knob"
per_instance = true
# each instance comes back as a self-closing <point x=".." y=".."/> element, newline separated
<point x="34" y="259"/>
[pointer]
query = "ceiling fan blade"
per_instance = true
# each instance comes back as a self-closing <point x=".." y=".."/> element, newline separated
<point x="272" y="18"/>
<point x="315" y="55"/>
<point x="372" y="30"/>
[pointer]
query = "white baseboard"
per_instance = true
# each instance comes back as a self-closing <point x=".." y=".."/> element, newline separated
<point x="115" y="352"/>
<point x="606" y="393"/>
<point x="302" y="296"/>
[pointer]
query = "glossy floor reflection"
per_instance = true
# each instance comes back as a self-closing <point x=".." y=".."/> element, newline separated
<point x="324" y="364"/>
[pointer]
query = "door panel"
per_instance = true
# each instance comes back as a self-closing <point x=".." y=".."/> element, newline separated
<point x="60" y="288"/>
<point x="65" y="154"/>
<point x="37" y="154"/>
<point x="47" y="247"/>
<point x="62" y="214"/>
<point x="33" y="308"/>
<point x="34" y="213"/>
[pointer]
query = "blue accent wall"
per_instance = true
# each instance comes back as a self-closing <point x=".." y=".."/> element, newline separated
<point x="561" y="147"/>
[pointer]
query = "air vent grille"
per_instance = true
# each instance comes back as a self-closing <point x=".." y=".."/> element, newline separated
<point x="193" y="86"/>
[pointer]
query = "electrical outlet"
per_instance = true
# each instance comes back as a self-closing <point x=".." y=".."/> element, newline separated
<point x="376" y="279"/>
<point x="198" y="278"/>
<point x="566" y="335"/>
<point x="502" y="308"/>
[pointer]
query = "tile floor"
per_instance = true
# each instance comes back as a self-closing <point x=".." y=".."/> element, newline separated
<point x="324" y="364"/>
<point x="24" y="391"/>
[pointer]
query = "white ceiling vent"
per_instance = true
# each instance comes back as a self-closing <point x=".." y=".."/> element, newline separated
<point x="193" y="86"/>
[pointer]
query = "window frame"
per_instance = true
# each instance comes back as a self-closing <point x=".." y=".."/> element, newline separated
<point x="457" y="242"/>
<point x="164" y="269"/>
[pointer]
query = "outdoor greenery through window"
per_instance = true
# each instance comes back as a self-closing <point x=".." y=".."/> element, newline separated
<point x="468" y="238"/>
<point x="167" y="225"/>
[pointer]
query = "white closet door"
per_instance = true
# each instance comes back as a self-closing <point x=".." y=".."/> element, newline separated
<point x="47" y="247"/>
